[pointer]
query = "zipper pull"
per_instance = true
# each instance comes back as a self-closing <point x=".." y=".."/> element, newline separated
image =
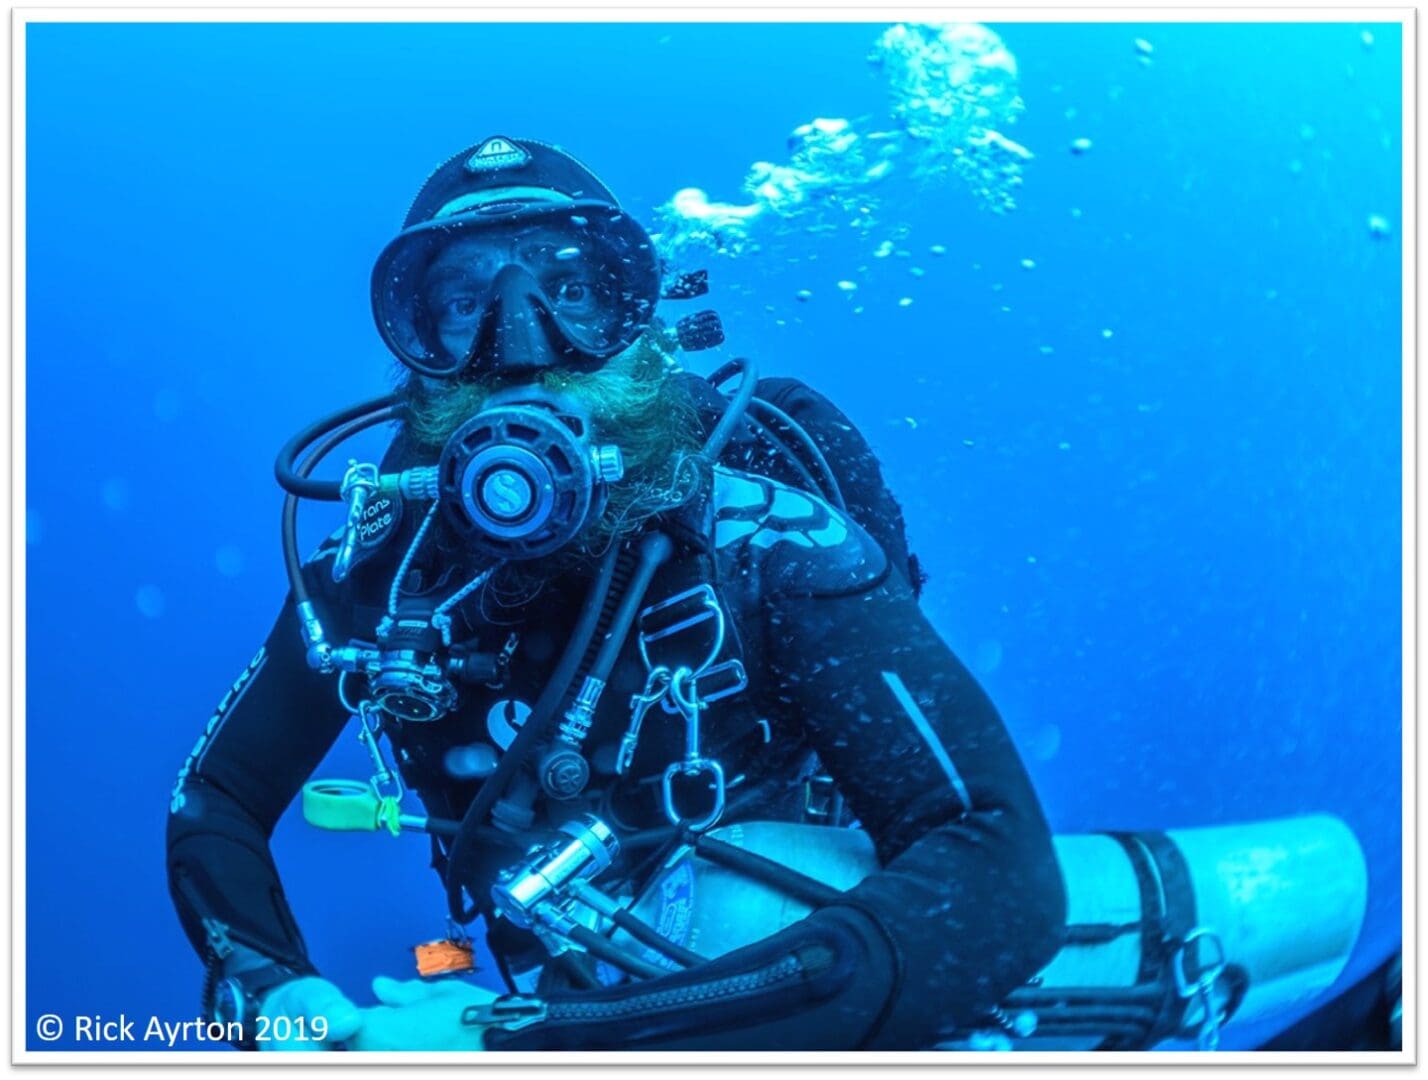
<point x="512" y="1012"/>
<point x="218" y="939"/>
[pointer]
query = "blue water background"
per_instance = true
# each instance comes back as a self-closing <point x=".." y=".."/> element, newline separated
<point x="1172" y="554"/>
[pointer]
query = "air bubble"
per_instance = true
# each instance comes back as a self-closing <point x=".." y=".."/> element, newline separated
<point x="149" y="599"/>
<point x="229" y="560"/>
<point x="115" y="494"/>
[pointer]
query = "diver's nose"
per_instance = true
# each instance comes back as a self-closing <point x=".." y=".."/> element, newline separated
<point x="516" y="332"/>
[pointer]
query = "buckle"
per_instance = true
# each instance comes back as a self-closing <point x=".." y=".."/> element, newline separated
<point x="696" y="609"/>
<point x="678" y="613"/>
<point x="820" y="797"/>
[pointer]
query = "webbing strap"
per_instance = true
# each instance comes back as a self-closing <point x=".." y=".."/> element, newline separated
<point x="1167" y="897"/>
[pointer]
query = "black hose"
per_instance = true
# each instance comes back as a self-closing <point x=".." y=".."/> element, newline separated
<point x="786" y="455"/>
<point x="1106" y="1030"/>
<point x="648" y="838"/>
<point x="292" y="561"/>
<point x="1087" y="1014"/>
<point x="336" y="435"/>
<point x="531" y="734"/>
<point x="664" y="834"/>
<point x="832" y="492"/>
<point x="737" y="407"/>
<point x="1032" y="997"/>
<point x="661" y="844"/>
<point x="738" y="411"/>
<point x="655" y="548"/>
<point x="646" y="934"/>
<point x="486" y="834"/>
<point x="504" y="968"/>
<point x="293" y="479"/>
<point x="602" y="949"/>
<point x="799" y="886"/>
<point x="575" y="970"/>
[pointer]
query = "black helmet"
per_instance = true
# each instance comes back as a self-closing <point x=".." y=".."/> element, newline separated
<point x="514" y="256"/>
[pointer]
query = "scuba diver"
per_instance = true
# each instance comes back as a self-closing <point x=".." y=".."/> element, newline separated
<point x="599" y="614"/>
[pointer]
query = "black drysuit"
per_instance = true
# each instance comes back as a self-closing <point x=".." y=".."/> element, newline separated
<point x="842" y="665"/>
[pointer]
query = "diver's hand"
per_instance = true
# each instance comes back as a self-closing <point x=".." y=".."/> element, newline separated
<point x="311" y="1006"/>
<point x="417" y="1015"/>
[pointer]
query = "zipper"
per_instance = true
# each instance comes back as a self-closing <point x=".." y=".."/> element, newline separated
<point x="218" y="947"/>
<point x="730" y="988"/>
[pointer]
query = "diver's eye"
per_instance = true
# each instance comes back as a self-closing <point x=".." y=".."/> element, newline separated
<point x="572" y="293"/>
<point x="458" y="308"/>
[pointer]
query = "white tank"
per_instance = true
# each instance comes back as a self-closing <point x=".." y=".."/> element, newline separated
<point x="1284" y="900"/>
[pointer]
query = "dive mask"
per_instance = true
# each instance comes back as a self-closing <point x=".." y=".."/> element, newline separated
<point x="514" y="258"/>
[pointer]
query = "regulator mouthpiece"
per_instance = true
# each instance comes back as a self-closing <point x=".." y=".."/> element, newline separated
<point x="523" y="477"/>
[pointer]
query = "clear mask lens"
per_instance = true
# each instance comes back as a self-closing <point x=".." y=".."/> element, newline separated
<point x="591" y="273"/>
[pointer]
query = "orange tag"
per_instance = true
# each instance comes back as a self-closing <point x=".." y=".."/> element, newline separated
<point x="443" y="957"/>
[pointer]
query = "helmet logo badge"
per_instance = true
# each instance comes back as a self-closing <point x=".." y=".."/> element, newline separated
<point x="496" y="153"/>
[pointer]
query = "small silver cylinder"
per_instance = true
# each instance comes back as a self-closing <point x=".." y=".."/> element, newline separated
<point x="591" y="848"/>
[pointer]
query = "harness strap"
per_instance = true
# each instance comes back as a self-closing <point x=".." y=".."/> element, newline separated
<point x="1168" y="900"/>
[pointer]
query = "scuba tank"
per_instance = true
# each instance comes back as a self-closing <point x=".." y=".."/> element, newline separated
<point x="1169" y="934"/>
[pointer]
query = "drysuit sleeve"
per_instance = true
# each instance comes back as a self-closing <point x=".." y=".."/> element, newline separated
<point x="268" y="733"/>
<point x="968" y="903"/>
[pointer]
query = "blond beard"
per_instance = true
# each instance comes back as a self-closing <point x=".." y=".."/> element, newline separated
<point x="633" y="402"/>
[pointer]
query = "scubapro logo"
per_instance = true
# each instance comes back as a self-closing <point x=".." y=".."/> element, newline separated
<point x="505" y="719"/>
<point x="220" y="714"/>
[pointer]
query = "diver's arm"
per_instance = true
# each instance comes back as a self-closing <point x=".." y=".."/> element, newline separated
<point x="969" y="902"/>
<point x="267" y="735"/>
<point x="970" y="894"/>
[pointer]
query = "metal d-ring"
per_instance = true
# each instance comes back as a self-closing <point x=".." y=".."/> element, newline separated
<point x="694" y="768"/>
<point x="1208" y="1035"/>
